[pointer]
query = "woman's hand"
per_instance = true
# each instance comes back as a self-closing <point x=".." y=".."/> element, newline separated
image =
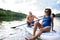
<point x="54" y="31"/>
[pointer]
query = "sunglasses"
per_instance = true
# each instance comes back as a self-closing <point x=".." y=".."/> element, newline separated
<point x="46" y="11"/>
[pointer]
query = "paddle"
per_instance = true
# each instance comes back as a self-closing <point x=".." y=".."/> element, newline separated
<point x="19" y="25"/>
<point x="24" y="23"/>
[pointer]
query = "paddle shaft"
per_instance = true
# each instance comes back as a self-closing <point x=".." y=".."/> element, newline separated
<point x="19" y="25"/>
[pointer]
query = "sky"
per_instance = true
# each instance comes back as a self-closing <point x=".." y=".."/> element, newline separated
<point x="35" y="6"/>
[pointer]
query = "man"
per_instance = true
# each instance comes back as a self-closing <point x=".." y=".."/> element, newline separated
<point x="30" y="19"/>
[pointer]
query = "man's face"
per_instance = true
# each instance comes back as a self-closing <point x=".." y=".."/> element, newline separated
<point x="30" y="13"/>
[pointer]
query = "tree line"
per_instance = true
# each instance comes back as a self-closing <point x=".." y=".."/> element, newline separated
<point x="58" y="15"/>
<point x="8" y="15"/>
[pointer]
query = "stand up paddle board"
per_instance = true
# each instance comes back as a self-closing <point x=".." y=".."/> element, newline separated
<point x="44" y="35"/>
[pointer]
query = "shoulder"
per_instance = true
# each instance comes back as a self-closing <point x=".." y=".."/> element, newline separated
<point x="33" y="15"/>
<point x="44" y="16"/>
<point x="51" y="17"/>
<point x="27" y="16"/>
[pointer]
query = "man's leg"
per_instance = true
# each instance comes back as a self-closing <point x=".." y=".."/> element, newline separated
<point x="32" y="23"/>
<point x="29" y="24"/>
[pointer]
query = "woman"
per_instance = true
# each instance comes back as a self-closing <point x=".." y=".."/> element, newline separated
<point x="46" y="25"/>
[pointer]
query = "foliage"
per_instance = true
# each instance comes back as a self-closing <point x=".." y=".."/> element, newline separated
<point x="7" y="15"/>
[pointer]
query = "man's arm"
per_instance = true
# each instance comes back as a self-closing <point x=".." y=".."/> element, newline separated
<point x="27" y="19"/>
<point x="35" y="17"/>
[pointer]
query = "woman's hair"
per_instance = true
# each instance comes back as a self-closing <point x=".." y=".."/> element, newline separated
<point x="53" y="14"/>
<point x="49" y="11"/>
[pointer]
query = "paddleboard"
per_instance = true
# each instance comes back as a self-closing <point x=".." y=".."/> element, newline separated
<point x="43" y="35"/>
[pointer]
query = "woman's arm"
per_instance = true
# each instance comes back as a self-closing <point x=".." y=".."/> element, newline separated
<point x="53" y="24"/>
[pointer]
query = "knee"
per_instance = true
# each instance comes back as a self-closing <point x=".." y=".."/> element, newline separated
<point x="41" y="29"/>
<point x="36" y="22"/>
<point x="28" y="23"/>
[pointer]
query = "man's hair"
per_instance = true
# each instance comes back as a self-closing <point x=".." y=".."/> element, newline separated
<point x="53" y="14"/>
<point x="30" y="12"/>
<point x="49" y="10"/>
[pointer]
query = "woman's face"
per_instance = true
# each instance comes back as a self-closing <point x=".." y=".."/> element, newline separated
<point x="47" y="12"/>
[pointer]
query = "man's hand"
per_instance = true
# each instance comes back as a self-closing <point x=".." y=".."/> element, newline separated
<point x="38" y="19"/>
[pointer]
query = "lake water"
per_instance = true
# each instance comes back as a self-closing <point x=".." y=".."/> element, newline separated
<point x="7" y="33"/>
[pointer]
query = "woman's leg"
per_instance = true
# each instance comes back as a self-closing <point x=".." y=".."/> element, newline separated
<point x="36" y="25"/>
<point x="47" y="28"/>
<point x="40" y="32"/>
